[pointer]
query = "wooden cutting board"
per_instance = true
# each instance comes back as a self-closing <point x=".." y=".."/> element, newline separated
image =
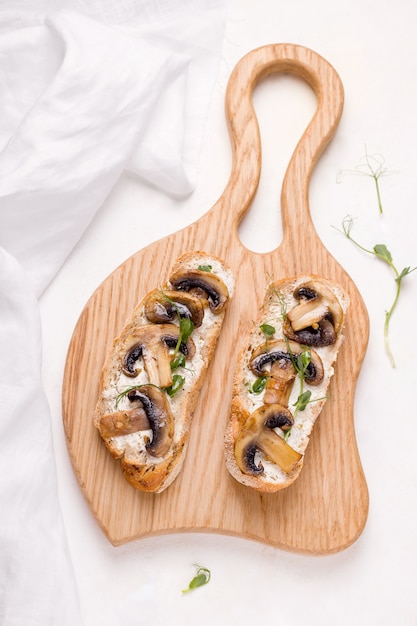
<point x="326" y="508"/>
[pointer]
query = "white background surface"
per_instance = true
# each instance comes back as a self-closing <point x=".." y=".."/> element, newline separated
<point x="373" y="47"/>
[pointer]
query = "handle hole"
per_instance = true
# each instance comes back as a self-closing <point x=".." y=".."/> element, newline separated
<point x="284" y="106"/>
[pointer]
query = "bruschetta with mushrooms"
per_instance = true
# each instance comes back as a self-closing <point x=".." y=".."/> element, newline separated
<point x="281" y="381"/>
<point x="156" y="367"/>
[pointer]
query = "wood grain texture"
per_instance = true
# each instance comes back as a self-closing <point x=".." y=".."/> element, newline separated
<point x="326" y="508"/>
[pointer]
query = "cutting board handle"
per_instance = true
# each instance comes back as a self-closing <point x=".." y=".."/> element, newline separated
<point x="245" y="136"/>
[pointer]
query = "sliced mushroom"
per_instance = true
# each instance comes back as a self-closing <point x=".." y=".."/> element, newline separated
<point x="201" y="283"/>
<point x="123" y="423"/>
<point x="153" y="342"/>
<point x="156" y="406"/>
<point x="318" y="317"/>
<point x="166" y="306"/>
<point x="279" y="383"/>
<point x="258" y="435"/>
<point x="283" y="353"/>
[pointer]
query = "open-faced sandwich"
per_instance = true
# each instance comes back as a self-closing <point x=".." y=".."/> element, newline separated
<point x="155" y="370"/>
<point x="281" y="381"/>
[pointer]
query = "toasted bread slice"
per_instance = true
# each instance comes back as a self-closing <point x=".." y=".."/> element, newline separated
<point x="281" y="380"/>
<point x="156" y="367"/>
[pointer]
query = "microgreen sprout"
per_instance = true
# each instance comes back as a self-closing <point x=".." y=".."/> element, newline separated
<point x="205" y="268"/>
<point x="381" y="252"/>
<point x="201" y="578"/>
<point x="282" y="303"/>
<point x="259" y="385"/>
<point x="267" y="329"/>
<point x="126" y="391"/>
<point x="301" y="363"/>
<point x="304" y="399"/>
<point x="373" y="166"/>
<point x="177" y="384"/>
<point x="178" y="361"/>
<point x="186" y="326"/>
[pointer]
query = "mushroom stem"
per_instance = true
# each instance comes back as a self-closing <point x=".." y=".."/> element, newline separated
<point x="279" y="384"/>
<point x="277" y="450"/>
<point x="123" y="423"/>
<point x="257" y="434"/>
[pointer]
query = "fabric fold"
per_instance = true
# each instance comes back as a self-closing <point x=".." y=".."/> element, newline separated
<point x="73" y="144"/>
<point x="37" y="584"/>
<point x="88" y="91"/>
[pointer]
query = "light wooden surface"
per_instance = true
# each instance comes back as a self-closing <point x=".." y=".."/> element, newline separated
<point x="326" y="508"/>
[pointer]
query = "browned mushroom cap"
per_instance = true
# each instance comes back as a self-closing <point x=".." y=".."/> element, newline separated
<point x="283" y="353"/>
<point x="198" y="282"/>
<point x="257" y="435"/>
<point x="156" y="406"/>
<point x="153" y="342"/>
<point x="318" y="317"/>
<point x="166" y="306"/>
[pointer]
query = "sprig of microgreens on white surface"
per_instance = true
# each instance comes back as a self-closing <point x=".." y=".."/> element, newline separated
<point x="373" y="166"/>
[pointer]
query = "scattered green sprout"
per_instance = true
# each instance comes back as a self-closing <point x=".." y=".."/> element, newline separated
<point x="259" y="385"/>
<point x="282" y="303"/>
<point x="300" y="363"/>
<point x="186" y="325"/>
<point x="126" y="391"/>
<point x="177" y="384"/>
<point x="267" y="330"/>
<point x="178" y="361"/>
<point x="373" y="166"/>
<point x="201" y="578"/>
<point x="381" y="252"/>
<point x="302" y="401"/>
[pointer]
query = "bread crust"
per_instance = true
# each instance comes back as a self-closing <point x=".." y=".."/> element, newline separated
<point x="141" y="469"/>
<point x="279" y="301"/>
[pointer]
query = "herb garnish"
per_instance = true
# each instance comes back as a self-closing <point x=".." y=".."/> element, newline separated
<point x="126" y="391"/>
<point x="372" y="165"/>
<point x="381" y="252"/>
<point x="178" y="361"/>
<point x="205" y="268"/>
<point x="282" y="304"/>
<point x="201" y="578"/>
<point x="177" y="383"/>
<point x="300" y="363"/>
<point x="267" y="329"/>
<point x="259" y="385"/>
<point x="186" y="325"/>
<point x="268" y="332"/>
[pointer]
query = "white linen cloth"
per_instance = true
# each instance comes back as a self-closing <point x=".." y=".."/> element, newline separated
<point x="88" y="90"/>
